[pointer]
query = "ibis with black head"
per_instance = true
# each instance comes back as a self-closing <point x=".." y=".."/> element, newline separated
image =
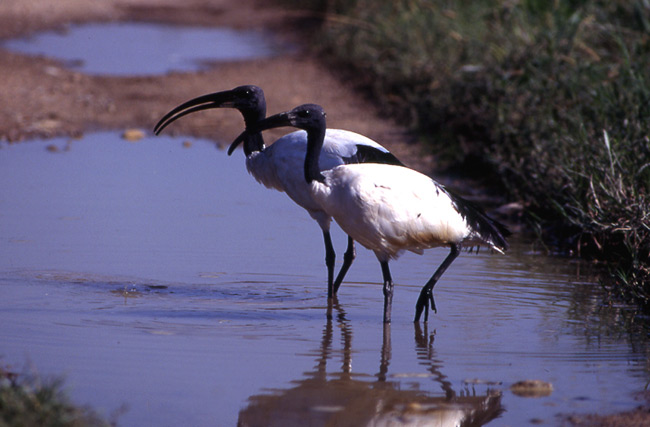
<point x="279" y="166"/>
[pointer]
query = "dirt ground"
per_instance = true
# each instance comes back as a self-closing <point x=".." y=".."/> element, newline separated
<point x="41" y="98"/>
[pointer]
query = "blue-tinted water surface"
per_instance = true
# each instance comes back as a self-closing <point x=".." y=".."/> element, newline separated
<point x="135" y="48"/>
<point x="166" y="281"/>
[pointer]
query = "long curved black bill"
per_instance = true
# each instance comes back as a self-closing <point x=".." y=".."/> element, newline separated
<point x="205" y="102"/>
<point x="275" y="121"/>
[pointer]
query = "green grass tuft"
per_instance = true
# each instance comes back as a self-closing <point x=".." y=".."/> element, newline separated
<point x="27" y="401"/>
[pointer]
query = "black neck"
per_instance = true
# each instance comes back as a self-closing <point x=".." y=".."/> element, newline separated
<point x="315" y="139"/>
<point x="254" y="142"/>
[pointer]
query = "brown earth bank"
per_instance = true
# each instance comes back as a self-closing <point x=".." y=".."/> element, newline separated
<point x="40" y="98"/>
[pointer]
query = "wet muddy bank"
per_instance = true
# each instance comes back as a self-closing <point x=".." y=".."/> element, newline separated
<point x="41" y="98"/>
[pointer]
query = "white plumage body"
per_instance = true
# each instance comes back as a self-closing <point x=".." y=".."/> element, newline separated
<point x="389" y="209"/>
<point x="280" y="165"/>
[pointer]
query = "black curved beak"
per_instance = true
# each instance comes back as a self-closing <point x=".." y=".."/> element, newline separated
<point x="275" y="121"/>
<point x="225" y="99"/>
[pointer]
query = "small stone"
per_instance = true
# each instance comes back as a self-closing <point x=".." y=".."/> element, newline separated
<point x="531" y="388"/>
<point x="46" y="125"/>
<point x="133" y="135"/>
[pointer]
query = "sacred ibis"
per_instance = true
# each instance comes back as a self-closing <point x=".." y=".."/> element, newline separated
<point x="387" y="208"/>
<point x="279" y="165"/>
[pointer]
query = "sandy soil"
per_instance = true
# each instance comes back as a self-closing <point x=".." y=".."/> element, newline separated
<point x="40" y="98"/>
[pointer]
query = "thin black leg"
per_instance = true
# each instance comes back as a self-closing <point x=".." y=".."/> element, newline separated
<point x="330" y="258"/>
<point x="388" y="291"/>
<point x="348" y="257"/>
<point x="426" y="294"/>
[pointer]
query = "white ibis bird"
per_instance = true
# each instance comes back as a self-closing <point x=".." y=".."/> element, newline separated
<point x="387" y="208"/>
<point x="279" y="166"/>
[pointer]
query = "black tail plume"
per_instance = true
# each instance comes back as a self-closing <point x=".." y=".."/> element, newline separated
<point x="487" y="229"/>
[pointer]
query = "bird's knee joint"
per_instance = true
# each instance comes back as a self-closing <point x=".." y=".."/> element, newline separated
<point x="388" y="289"/>
<point x="330" y="259"/>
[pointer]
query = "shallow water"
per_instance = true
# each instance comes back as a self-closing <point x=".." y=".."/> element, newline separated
<point x="168" y="288"/>
<point x="136" y="48"/>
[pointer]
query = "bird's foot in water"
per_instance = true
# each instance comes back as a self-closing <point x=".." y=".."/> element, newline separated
<point x="425" y="301"/>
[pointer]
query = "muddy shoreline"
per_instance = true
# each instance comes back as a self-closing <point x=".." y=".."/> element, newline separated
<point x="42" y="99"/>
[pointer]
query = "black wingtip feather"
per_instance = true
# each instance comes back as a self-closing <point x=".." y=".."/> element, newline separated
<point x="368" y="154"/>
<point x="488" y="229"/>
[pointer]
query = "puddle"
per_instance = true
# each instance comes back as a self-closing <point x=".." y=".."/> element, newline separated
<point x="142" y="49"/>
<point x="165" y="280"/>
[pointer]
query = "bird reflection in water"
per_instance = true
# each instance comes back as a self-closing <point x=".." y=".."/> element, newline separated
<point x="342" y="398"/>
